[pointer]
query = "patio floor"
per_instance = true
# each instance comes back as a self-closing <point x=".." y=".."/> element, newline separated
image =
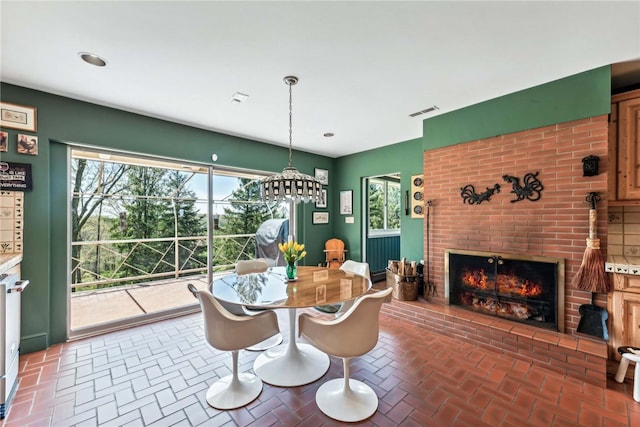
<point x="92" y="308"/>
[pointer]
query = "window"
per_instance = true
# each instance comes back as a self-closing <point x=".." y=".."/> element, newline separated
<point x="384" y="205"/>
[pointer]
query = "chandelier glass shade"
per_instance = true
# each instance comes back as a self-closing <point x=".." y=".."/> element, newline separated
<point x="291" y="185"/>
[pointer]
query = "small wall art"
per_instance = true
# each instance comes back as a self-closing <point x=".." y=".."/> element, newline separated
<point x="4" y="138"/>
<point x="531" y="190"/>
<point x="346" y="202"/>
<point x="27" y="144"/>
<point x="322" y="203"/>
<point x="19" y="117"/>
<point x="322" y="175"/>
<point x="320" y="217"/>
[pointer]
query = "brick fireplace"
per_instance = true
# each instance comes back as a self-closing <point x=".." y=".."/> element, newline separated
<point x="554" y="226"/>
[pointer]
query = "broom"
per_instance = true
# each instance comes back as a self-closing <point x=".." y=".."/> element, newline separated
<point x="591" y="275"/>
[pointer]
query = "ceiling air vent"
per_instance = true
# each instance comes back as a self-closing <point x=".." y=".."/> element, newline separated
<point x="239" y="97"/>
<point x="426" y="110"/>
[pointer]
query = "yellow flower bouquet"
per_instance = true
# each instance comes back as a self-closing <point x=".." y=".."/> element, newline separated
<point x="292" y="251"/>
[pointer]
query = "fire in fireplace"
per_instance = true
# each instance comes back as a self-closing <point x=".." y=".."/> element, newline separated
<point x="526" y="289"/>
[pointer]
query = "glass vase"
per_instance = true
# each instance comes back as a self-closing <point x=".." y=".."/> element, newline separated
<point x="291" y="271"/>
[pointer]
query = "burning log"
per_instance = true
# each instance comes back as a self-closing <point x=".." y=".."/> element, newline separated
<point x="492" y="305"/>
<point x="509" y="284"/>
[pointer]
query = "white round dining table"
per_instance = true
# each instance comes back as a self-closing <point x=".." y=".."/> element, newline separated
<point x="291" y="363"/>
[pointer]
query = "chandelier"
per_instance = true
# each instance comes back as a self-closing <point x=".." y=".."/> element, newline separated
<point x="291" y="185"/>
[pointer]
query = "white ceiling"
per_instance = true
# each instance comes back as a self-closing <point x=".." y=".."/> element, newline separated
<point x="363" y="66"/>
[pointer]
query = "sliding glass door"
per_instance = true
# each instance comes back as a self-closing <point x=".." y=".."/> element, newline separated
<point x="142" y="228"/>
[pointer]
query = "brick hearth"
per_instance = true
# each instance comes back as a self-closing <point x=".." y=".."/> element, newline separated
<point x="577" y="357"/>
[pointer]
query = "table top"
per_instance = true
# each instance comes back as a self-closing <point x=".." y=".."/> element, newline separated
<point x="271" y="289"/>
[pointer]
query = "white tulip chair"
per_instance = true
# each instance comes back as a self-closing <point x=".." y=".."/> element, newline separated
<point x="353" y="267"/>
<point x="228" y="332"/>
<point x="351" y="335"/>
<point x="252" y="266"/>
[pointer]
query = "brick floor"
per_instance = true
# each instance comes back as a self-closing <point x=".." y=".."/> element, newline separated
<point x="158" y="374"/>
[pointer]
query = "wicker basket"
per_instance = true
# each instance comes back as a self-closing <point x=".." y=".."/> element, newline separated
<point x="405" y="288"/>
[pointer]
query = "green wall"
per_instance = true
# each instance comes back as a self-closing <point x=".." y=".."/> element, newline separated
<point x="404" y="157"/>
<point x="582" y="95"/>
<point x="62" y="120"/>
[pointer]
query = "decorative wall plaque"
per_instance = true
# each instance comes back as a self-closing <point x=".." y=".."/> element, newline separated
<point x="469" y="195"/>
<point x="11" y="221"/>
<point x="531" y="189"/>
<point x="417" y="196"/>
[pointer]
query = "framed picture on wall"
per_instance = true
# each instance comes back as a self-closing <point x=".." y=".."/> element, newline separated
<point x="322" y="203"/>
<point x="27" y="144"/>
<point x="322" y="175"/>
<point x="320" y="218"/>
<point x="346" y="202"/>
<point x="19" y="117"/>
<point x="4" y="139"/>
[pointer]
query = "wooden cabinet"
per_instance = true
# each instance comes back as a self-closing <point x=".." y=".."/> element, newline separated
<point x="624" y="147"/>
<point x="623" y="305"/>
<point x="624" y="321"/>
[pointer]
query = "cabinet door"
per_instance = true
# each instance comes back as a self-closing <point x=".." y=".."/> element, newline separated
<point x="631" y="327"/>
<point x="629" y="149"/>
<point x="612" y="182"/>
<point x="624" y="321"/>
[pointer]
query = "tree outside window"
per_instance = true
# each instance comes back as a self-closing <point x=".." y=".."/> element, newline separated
<point x="384" y="205"/>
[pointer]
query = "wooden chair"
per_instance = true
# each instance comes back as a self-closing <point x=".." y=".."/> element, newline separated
<point x="228" y="332"/>
<point x="334" y="253"/>
<point x="351" y="335"/>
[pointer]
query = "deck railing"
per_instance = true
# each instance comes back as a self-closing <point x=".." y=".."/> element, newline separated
<point x="110" y="263"/>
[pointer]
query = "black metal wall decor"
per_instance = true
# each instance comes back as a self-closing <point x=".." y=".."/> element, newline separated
<point x="531" y="190"/>
<point x="590" y="165"/>
<point x="469" y="195"/>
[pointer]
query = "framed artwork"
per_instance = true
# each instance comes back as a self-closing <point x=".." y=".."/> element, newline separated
<point x="322" y="203"/>
<point x="320" y="218"/>
<point x="19" y="117"/>
<point x="322" y="175"/>
<point x="346" y="202"/>
<point x="27" y="144"/>
<point x="4" y="138"/>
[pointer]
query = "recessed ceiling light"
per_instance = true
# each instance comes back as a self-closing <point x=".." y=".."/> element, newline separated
<point x="92" y="59"/>
<point x="239" y="97"/>
<point x="328" y="134"/>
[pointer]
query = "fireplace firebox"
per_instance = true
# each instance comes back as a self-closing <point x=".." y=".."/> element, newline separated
<point x="525" y="289"/>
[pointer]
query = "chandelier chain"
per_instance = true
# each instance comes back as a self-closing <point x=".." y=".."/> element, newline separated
<point x="290" y="121"/>
<point x="291" y="185"/>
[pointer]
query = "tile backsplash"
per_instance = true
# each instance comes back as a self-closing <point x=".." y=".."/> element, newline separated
<point x="11" y="221"/>
<point x="623" y="236"/>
